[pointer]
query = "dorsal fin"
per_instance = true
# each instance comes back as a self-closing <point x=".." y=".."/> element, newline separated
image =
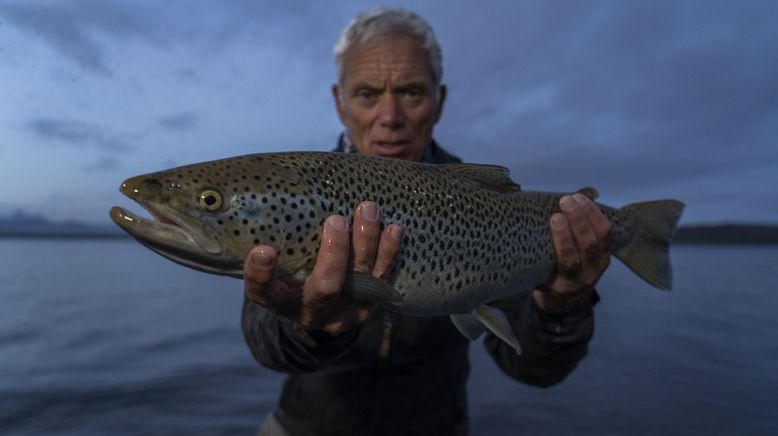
<point x="589" y="192"/>
<point x="489" y="176"/>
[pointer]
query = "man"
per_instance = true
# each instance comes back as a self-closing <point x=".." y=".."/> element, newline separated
<point x="359" y="369"/>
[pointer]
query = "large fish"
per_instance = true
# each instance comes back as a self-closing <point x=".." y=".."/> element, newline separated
<point x="472" y="236"/>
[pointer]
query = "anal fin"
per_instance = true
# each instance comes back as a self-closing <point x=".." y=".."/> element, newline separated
<point x="468" y="325"/>
<point x="496" y="321"/>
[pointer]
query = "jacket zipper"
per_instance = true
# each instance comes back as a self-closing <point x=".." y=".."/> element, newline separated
<point x="386" y="339"/>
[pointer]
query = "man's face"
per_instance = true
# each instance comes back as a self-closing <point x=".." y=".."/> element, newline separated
<point x="387" y="99"/>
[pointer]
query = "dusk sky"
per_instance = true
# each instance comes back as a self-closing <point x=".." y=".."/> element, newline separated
<point x="642" y="100"/>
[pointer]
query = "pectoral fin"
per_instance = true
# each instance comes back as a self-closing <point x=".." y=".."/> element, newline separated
<point x="363" y="286"/>
<point x="496" y="321"/>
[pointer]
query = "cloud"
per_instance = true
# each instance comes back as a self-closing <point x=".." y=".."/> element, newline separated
<point x="85" y="31"/>
<point x="104" y="164"/>
<point x="72" y="28"/>
<point x="179" y="122"/>
<point x="634" y="93"/>
<point x="79" y="134"/>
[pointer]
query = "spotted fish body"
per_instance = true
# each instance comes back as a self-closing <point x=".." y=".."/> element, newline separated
<point x="471" y="235"/>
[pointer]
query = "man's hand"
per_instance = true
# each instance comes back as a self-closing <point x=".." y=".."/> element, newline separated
<point x="581" y="235"/>
<point x="317" y="304"/>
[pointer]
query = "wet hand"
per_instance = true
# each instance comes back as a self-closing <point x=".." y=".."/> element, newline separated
<point x="318" y="303"/>
<point x="581" y="235"/>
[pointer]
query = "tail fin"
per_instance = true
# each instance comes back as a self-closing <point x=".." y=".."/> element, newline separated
<point x="647" y="253"/>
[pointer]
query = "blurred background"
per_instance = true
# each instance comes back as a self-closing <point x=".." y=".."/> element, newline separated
<point x="642" y="100"/>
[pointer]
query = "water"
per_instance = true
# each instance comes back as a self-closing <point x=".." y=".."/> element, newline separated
<point x="101" y="337"/>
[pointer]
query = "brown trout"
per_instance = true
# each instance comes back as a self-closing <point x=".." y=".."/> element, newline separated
<point x="472" y="236"/>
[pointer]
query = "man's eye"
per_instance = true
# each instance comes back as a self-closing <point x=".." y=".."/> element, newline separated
<point x="414" y="94"/>
<point x="365" y="94"/>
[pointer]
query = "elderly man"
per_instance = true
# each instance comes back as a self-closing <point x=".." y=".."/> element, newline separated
<point x="357" y="369"/>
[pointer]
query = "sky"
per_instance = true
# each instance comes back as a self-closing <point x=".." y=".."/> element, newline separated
<point x="642" y="100"/>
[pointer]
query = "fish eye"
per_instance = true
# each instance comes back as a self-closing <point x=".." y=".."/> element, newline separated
<point x="210" y="200"/>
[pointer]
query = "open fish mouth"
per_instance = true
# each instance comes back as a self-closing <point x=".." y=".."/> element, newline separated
<point x="184" y="241"/>
<point x="159" y="229"/>
<point x="167" y="230"/>
<point x="160" y="233"/>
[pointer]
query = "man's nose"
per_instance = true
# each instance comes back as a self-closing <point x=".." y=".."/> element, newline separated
<point x="390" y="112"/>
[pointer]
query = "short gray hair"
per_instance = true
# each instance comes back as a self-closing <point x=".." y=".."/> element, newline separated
<point x="382" y="21"/>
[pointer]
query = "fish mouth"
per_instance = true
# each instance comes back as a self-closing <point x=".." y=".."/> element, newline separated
<point x="180" y="238"/>
<point x="159" y="228"/>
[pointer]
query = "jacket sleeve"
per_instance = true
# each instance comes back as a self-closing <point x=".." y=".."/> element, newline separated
<point x="552" y="345"/>
<point x="283" y="345"/>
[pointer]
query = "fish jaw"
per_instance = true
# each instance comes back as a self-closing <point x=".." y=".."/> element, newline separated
<point x="173" y="234"/>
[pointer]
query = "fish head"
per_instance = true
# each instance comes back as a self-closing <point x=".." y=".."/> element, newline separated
<point x="209" y="216"/>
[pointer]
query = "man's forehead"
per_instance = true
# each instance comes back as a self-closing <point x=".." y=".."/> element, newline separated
<point x="383" y="76"/>
<point x="399" y="59"/>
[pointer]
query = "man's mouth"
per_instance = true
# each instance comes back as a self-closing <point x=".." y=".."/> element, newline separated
<point x="390" y="147"/>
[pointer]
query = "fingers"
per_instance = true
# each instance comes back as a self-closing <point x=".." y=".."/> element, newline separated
<point x="388" y="247"/>
<point x="594" y="241"/>
<point x="581" y="235"/>
<point x="366" y="231"/>
<point x="567" y="259"/>
<point x="373" y="251"/>
<point x="316" y="304"/>
<point x="329" y="273"/>
<point x="258" y="272"/>
<point x="599" y="223"/>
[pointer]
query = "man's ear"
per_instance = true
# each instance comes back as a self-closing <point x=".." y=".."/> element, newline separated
<point x="441" y="99"/>
<point x="339" y="104"/>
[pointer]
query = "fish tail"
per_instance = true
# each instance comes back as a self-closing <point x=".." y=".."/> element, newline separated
<point x="647" y="253"/>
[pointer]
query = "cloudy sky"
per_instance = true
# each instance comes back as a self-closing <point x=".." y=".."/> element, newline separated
<point x="642" y="100"/>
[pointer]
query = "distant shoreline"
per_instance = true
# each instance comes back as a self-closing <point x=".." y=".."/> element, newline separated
<point x="43" y="235"/>
<point x="724" y="234"/>
<point x="727" y="234"/>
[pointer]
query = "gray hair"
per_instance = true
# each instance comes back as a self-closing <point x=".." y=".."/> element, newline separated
<point x="382" y="21"/>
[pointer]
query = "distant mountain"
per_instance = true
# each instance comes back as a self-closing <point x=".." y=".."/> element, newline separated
<point x="22" y="224"/>
<point x="727" y="234"/>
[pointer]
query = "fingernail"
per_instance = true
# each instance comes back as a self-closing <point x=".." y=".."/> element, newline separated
<point x="369" y="210"/>
<point x="567" y="203"/>
<point x="337" y="222"/>
<point x="261" y="259"/>
<point x="396" y="232"/>
<point x="557" y="221"/>
<point x="580" y="197"/>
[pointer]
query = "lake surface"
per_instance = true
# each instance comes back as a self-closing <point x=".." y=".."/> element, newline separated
<point x="100" y="337"/>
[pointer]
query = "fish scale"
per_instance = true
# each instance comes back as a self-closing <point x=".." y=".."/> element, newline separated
<point x="472" y="236"/>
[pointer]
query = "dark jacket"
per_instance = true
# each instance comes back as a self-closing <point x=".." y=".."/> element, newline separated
<point x="403" y="375"/>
